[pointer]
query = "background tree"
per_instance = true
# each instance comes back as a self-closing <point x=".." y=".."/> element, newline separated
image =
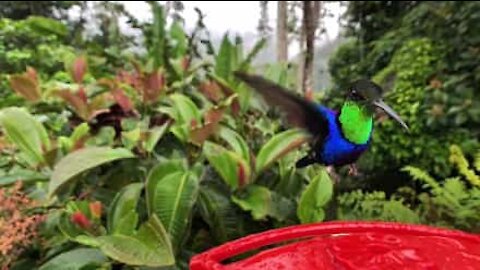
<point x="371" y="19"/>
<point x="174" y="10"/>
<point x="311" y="15"/>
<point x="302" y="29"/>
<point x="411" y="52"/>
<point x="19" y="10"/>
<point x="263" y="28"/>
<point x="282" y="34"/>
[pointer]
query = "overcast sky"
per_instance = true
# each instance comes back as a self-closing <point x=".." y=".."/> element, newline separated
<point x="233" y="16"/>
<point x="222" y="16"/>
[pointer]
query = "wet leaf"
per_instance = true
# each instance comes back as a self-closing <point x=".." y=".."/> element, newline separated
<point x="278" y="146"/>
<point x="79" y="68"/>
<point x="313" y="200"/>
<point x="228" y="164"/>
<point x="25" y="86"/>
<point x="79" y="105"/>
<point x="82" y="160"/>
<point x="26" y="133"/>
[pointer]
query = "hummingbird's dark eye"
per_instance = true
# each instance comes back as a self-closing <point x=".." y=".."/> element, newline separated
<point x="354" y="95"/>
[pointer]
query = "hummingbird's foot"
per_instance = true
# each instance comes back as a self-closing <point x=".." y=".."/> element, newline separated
<point x="335" y="177"/>
<point x="353" y="170"/>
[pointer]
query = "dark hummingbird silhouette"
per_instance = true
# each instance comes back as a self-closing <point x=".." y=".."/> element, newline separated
<point x="338" y="138"/>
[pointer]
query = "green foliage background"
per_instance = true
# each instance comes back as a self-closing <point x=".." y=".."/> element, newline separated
<point x="430" y="78"/>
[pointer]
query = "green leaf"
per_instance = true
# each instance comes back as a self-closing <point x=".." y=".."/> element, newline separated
<point x="395" y="211"/>
<point x="105" y="137"/>
<point x="291" y="180"/>
<point x="86" y="240"/>
<point x="477" y="161"/>
<point x="278" y="73"/>
<point x="82" y="160"/>
<point x="278" y="146"/>
<point x="158" y="173"/>
<point x="22" y="176"/>
<point x="456" y="187"/>
<point x="157" y="48"/>
<point x="47" y="26"/>
<point x="155" y="134"/>
<point x="126" y="224"/>
<point x="425" y="177"/>
<point x="186" y="110"/>
<point x="175" y="195"/>
<point x="460" y="119"/>
<point x="26" y="133"/>
<point x="150" y="247"/>
<point x="223" y="61"/>
<point x="122" y="211"/>
<point x="241" y="90"/>
<point x="237" y="52"/>
<point x="317" y="194"/>
<point x="180" y="39"/>
<point x="236" y="141"/>
<point x="170" y="111"/>
<point x="180" y="131"/>
<point x="79" y="132"/>
<point x="263" y="202"/>
<point x="129" y="250"/>
<point x="233" y="169"/>
<point x="42" y="134"/>
<point x="252" y="54"/>
<point x="221" y="215"/>
<point x="154" y="235"/>
<point x="131" y="138"/>
<point x="75" y="259"/>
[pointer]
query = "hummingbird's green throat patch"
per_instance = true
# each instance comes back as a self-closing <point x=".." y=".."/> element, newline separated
<point x="356" y="122"/>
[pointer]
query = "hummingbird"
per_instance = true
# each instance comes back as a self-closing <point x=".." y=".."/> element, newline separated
<point x="338" y="137"/>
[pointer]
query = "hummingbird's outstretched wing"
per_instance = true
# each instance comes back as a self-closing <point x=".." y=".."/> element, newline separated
<point x="300" y="112"/>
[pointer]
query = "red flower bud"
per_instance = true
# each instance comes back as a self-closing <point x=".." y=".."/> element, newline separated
<point x="96" y="209"/>
<point x="81" y="220"/>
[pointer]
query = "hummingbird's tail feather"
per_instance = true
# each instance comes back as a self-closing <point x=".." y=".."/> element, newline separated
<point x="299" y="111"/>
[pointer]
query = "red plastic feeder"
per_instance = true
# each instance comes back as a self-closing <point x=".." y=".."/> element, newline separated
<point x="348" y="245"/>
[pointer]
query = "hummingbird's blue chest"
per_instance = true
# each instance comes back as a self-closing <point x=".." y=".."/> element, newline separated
<point x="335" y="148"/>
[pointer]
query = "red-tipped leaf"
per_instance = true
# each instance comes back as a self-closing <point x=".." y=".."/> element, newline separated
<point x="185" y="63"/>
<point x="211" y="90"/>
<point x="32" y="74"/>
<point x="78" y="104"/>
<point x="125" y="103"/>
<point x="198" y="135"/>
<point x="25" y="86"/>
<point x="241" y="175"/>
<point x="214" y="115"/>
<point x="79" y="69"/>
<point x="153" y="86"/>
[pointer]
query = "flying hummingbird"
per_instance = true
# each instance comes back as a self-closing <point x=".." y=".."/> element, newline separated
<point x="338" y="138"/>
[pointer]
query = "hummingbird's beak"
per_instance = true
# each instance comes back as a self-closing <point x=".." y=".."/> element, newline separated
<point x="379" y="103"/>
